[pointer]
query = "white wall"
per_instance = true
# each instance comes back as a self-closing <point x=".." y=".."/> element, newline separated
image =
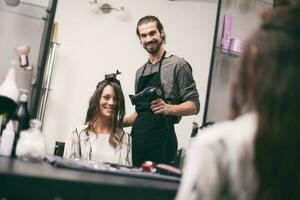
<point x="94" y="43"/>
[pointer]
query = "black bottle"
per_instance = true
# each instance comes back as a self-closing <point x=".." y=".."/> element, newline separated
<point x="3" y="122"/>
<point x="21" y="119"/>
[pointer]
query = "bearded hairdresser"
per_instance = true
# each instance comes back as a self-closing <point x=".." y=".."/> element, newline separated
<point x="153" y="134"/>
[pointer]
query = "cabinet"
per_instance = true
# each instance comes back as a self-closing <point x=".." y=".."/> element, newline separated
<point x="29" y="23"/>
<point x="243" y="16"/>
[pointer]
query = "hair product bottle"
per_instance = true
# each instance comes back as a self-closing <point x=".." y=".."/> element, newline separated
<point x="226" y="30"/>
<point x="7" y="139"/>
<point x="31" y="144"/>
<point x="20" y="118"/>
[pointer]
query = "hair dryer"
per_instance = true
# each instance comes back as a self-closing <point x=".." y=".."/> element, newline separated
<point x="147" y="95"/>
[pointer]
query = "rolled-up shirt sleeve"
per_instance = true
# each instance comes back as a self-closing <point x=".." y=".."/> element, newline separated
<point x="186" y="84"/>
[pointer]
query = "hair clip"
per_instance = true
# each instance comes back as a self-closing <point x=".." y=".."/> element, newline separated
<point x="111" y="77"/>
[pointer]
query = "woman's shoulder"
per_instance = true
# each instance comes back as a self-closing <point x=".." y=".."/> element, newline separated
<point x="126" y="138"/>
<point x="228" y="133"/>
<point x="126" y="135"/>
<point x="122" y="132"/>
<point x="79" y="129"/>
<point x="218" y="153"/>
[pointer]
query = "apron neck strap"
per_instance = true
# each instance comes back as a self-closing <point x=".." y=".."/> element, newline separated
<point x="159" y="71"/>
<point x="160" y="63"/>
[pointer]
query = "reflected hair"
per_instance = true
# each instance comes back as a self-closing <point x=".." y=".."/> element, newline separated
<point x="267" y="82"/>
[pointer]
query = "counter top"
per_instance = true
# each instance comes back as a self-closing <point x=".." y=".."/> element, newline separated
<point x="18" y="175"/>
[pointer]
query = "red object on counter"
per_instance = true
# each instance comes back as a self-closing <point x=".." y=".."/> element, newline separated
<point x="148" y="166"/>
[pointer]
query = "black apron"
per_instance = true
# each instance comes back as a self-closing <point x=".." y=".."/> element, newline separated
<point x="153" y="135"/>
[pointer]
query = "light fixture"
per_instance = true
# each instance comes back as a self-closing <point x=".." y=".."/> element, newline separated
<point x="12" y="3"/>
<point x="9" y="92"/>
<point x="23" y="52"/>
<point x="105" y="7"/>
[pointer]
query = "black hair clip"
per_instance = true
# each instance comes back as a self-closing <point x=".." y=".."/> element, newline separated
<point x="112" y="78"/>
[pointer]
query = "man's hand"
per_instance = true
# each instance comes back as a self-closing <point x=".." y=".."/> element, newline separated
<point x="158" y="106"/>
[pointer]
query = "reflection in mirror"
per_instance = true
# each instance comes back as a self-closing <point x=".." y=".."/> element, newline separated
<point x="232" y="31"/>
<point x="94" y="43"/>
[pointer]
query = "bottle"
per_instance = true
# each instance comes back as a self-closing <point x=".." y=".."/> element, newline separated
<point x="7" y="139"/>
<point x="3" y="122"/>
<point x="20" y="118"/>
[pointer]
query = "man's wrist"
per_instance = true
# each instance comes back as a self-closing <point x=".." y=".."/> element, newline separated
<point x="171" y="109"/>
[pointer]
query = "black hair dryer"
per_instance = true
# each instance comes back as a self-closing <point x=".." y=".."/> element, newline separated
<point x="147" y="95"/>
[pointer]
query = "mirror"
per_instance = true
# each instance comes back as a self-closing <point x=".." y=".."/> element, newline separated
<point x="22" y="25"/>
<point x="94" y="43"/>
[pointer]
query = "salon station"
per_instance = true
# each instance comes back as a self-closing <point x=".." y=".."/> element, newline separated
<point x="56" y="56"/>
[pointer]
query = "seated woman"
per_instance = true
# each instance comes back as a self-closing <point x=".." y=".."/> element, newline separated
<point x="255" y="155"/>
<point x="102" y="139"/>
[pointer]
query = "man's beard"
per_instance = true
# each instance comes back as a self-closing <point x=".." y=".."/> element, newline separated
<point x="155" y="48"/>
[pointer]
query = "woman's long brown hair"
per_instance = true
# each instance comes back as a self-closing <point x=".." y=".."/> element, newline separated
<point x="268" y="82"/>
<point x="118" y="113"/>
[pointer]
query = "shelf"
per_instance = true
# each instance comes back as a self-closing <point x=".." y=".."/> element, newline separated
<point x="218" y="50"/>
<point x="25" y="9"/>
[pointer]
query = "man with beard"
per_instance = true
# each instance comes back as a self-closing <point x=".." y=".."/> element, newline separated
<point x="153" y="134"/>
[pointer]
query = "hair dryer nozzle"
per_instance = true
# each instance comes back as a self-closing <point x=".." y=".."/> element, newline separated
<point x="147" y="95"/>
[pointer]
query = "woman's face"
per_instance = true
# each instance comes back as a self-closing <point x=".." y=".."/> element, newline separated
<point x="107" y="102"/>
